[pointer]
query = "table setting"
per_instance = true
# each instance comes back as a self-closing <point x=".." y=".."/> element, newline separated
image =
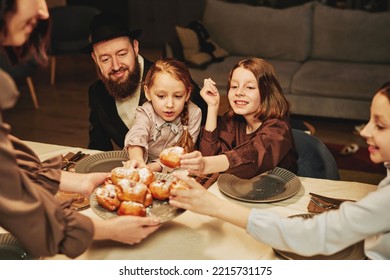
<point x="186" y="235"/>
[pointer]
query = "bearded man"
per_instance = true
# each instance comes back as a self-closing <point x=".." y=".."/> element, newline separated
<point x="121" y="69"/>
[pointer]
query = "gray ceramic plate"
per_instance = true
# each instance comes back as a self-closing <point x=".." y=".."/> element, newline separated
<point x="160" y="208"/>
<point x="274" y="185"/>
<point x="101" y="162"/>
<point x="353" y="252"/>
<point x="12" y="249"/>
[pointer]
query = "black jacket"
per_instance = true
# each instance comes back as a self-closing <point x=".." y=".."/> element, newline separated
<point x="105" y="125"/>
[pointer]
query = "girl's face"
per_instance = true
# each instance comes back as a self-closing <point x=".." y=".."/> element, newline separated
<point x="168" y="96"/>
<point x="377" y="130"/>
<point x="21" y="23"/>
<point x="244" y="94"/>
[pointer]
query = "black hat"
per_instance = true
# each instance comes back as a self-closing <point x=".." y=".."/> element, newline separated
<point x="106" y="26"/>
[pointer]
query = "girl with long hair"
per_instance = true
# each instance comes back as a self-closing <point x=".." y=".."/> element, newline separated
<point x="255" y="135"/>
<point x="167" y="119"/>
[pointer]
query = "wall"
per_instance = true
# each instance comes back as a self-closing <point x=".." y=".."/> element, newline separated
<point x="157" y="18"/>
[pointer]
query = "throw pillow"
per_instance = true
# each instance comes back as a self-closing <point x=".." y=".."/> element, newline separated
<point x="198" y="48"/>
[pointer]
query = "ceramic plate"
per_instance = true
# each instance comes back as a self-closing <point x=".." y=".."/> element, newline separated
<point x="12" y="249"/>
<point x="274" y="185"/>
<point x="160" y="208"/>
<point x="101" y="162"/>
<point x="353" y="252"/>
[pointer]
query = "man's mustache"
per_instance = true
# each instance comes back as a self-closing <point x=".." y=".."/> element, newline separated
<point x="112" y="72"/>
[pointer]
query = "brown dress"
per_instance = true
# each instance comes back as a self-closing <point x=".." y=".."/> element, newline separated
<point x="271" y="145"/>
<point x="28" y="208"/>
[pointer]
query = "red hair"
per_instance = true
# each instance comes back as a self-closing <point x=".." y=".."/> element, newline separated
<point x="273" y="103"/>
<point x="179" y="71"/>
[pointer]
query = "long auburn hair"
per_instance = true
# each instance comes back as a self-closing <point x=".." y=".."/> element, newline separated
<point x="179" y="71"/>
<point x="273" y="103"/>
<point x="35" y="46"/>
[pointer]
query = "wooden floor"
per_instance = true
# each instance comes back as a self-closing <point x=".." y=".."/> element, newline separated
<point x="63" y="114"/>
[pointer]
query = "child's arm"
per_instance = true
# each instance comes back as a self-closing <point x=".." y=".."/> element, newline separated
<point x="136" y="153"/>
<point x="195" y="163"/>
<point x="155" y="167"/>
<point x="211" y="95"/>
<point x="199" y="200"/>
<point x="137" y="137"/>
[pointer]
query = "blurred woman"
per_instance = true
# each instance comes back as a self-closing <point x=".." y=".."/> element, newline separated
<point x="28" y="208"/>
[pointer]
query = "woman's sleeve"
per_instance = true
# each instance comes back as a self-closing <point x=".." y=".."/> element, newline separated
<point x="28" y="208"/>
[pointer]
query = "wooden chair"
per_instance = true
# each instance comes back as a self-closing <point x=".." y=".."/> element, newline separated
<point x="21" y="71"/>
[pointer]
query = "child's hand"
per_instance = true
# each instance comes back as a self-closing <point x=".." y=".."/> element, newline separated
<point x="133" y="163"/>
<point x="196" y="198"/>
<point x="193" y="162"/>
<point x="210" y="93"/>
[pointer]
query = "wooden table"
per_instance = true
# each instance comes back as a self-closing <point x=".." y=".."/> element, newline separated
<point x="191" y="236"/>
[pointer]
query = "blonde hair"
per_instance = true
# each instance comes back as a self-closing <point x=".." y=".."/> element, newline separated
<point x="179" y="71"/>
<point x="273" y="103"/>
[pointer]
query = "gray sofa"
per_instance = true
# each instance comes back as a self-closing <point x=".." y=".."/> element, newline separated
<point x="329" y="61"/>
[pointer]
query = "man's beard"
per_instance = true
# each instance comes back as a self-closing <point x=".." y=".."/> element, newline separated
<point x="121" y="90"/>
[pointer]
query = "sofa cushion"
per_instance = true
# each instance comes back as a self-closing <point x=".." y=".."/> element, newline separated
<point x="198" y="48"/>
<point x="330" y="107"/>
<point x="264" y="32"/>
<point x="351" y="35"/>
<point x="219" y="72"/>
<point x="340" y="79"/>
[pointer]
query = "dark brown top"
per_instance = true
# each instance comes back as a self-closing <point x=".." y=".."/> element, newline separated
<point x="271" y="145"/>
<point x="28" y="208"/>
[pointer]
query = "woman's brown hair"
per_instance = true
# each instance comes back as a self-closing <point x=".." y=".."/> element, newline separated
<point x="273" y="103"/>
<point x="385" y="90"/>
<point x="179" y="71"/>
<point x="35" y="46"/>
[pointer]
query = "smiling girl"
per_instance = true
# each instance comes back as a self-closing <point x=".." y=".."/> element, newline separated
<point x="326" y="233"/>
<point x="254" y="136"/>
<point x="167" y="119"/>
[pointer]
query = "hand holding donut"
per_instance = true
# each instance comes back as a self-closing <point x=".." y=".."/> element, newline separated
<point x="170" y="157"/>
<point x="193" y="162"/>
<point x="133" y="163"/>
<point x="195" y="197"/>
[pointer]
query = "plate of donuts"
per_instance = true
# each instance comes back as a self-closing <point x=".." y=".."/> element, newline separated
<point x="136" y="192"/>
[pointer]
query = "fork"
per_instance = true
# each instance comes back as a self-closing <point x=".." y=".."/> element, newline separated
<point x="72" y="160"/>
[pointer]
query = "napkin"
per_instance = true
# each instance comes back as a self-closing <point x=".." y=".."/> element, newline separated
<point x="207" y="180"/>
<point x="319" y="203"/>
<point x="68" y="163"/>
<point x="77" y="201"/>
